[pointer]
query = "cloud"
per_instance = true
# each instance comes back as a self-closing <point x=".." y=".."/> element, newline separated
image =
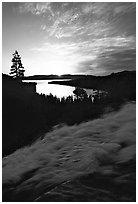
<point x="119" y="60"/>
<point x="66" y="55"/>
<point x="89" y="20"/>
<point x="64" y="24"/>
<point x="107" y="9"/>
<point x="59" y="18"/>
<point x="36" y="8"/>
<point x="88" y="31"/>
<point x="124" y="8"/>
<point x="57" y="49"/>
<point x="43" y="27"/>
<point x="107" y="54"/>
<point x="78" y="19"/>
<point x="69" y="152"/>
<point x="103" y="55"/>
<point x="89" y="17"/>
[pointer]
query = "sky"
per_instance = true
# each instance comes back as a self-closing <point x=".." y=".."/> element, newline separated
<point x="96" y="38"/>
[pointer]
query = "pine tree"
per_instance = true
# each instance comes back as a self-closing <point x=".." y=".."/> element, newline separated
<point x="17" y="69"/>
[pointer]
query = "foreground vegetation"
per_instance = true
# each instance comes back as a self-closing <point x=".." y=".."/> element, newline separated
<point x="93" y="161"/>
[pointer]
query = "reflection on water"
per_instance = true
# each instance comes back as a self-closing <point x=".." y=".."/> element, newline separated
<point x="55" y="89"/>
<point x="43" y="87"/>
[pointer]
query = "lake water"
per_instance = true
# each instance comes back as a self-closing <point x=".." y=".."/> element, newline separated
<point x="43" y="87"/>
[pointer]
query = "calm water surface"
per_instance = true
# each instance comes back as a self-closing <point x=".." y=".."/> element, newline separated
<point x="43" y="87"/>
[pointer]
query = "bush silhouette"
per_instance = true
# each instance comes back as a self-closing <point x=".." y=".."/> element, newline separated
<point x="80" y="93"/>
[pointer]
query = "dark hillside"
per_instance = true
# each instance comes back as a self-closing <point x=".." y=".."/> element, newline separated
<point x="16" y="113"/>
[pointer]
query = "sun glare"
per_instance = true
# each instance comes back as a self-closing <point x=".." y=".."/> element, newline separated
<point x="59" y="67"/>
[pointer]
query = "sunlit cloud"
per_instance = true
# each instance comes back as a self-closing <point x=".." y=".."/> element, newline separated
<point x="103" y="9"/>
<point x="88" y="56"/>
<point x="91" y="19"/>
<point x="64" y="25"/>
<point x="36" y="8"/>
<point x="108" y="55"/>
<point x="85" y="37"/>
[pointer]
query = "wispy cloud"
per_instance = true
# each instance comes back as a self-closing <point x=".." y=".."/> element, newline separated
<point x="36" y="8"/>
<point x="87" y="35"/>
<point x="77" y="19"/>
<point x="43" y="27"/>
<point x="105" y="9"/>
<point x="107" y="55"/>
<point x="95" y="55"/>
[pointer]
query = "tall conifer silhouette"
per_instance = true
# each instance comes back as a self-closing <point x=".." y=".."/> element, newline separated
<point x="17" y="69"/>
